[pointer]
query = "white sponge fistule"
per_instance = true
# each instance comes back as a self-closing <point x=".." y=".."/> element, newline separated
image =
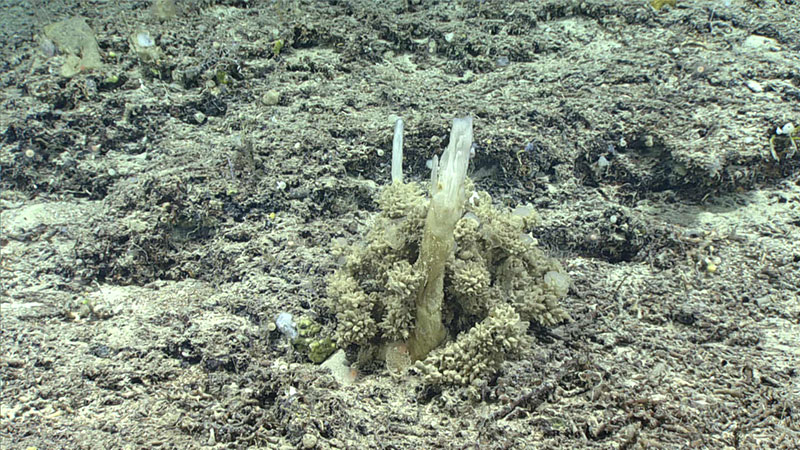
<point x="397" y="152"/>
<point x="438" y="242"/>
<point x="449" y="172"/>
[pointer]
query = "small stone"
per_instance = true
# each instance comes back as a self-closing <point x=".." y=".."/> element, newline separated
<point x="164" y="9"/>
<point x="309" y="440"/>
<point x="760" y="43"/>
<point x="74" y="38"/>
<point x="47" y="47"/>
<point x="787" y="129"/>
<point x="337" y="364"/>
<point x="271" y="98"/>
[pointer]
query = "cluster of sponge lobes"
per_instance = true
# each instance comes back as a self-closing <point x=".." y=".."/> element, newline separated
<point x="444" y="281"/>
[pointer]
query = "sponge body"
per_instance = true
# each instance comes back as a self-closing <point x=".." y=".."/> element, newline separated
<point x="438" y="275"/>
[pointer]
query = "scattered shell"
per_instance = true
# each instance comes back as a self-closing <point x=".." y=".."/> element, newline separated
<point x="143" y="39"/>
<point x="754" y="86"/>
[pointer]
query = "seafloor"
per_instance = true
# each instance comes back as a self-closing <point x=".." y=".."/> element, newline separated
<point x="163" y="202"/>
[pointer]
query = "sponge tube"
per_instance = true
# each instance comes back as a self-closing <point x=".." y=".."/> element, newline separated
<point x="397" y="152"/>
<point x="446" y="207"/>
<point x="453" y="165"/>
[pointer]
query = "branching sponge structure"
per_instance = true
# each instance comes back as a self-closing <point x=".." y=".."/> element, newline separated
<point x="445" y="281"/>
